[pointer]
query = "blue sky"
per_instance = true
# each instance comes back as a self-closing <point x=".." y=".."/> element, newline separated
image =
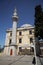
<point x="25" y="10"/>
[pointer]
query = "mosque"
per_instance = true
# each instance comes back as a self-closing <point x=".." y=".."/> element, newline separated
<point x="19" y="41"/>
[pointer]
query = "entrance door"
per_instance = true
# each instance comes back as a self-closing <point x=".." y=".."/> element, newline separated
<point x="10" y="51"/>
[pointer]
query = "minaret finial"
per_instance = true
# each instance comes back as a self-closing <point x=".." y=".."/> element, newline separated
<point x="15" y="12"/>
<point x="15" y="16"/>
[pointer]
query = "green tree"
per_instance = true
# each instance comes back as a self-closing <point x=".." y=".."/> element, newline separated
<point x="38" y="27"/>
<point x="38" y="21"/>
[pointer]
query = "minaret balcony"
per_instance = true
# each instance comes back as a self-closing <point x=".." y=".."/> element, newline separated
<point x="14" y="18"/>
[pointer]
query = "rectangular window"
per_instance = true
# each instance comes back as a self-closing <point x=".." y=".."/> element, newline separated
<point x="20" y="49"/>
<point x="20" y="40"/>
<point x="20" y="33"/>
<point x="30" y="31"/>
<point x="31" y="40"/>
<point x="9" y="41"/>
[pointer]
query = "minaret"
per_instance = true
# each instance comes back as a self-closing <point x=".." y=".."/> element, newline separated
<point x="15" y="19"/>
<point x="14" y="28"/>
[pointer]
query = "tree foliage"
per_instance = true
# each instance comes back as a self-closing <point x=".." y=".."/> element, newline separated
<point x="38" y="21"/>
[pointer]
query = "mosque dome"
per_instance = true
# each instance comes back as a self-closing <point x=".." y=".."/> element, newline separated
<point x="26" y="25"/>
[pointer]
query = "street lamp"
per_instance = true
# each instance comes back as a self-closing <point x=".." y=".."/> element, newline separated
<point x="34" y="41"/>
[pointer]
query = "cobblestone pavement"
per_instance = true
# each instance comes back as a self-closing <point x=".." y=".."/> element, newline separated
<point x="18" y="60"/>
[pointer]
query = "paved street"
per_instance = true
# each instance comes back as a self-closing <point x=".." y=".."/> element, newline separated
<point x="17" y="60"/>
<point x="41" y="59"/>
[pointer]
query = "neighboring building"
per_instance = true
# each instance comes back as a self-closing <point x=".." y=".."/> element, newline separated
<point x="19" y="40"/>
<point x="41" y="46"/>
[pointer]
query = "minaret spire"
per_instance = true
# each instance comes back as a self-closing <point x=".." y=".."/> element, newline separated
<point x="15" y="12"/>
<point x="15" y="16"/>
